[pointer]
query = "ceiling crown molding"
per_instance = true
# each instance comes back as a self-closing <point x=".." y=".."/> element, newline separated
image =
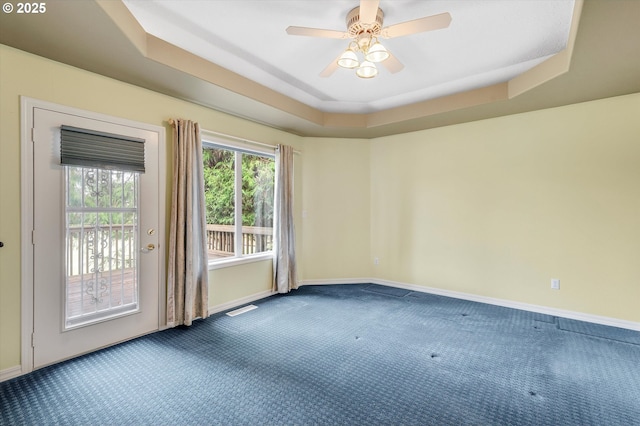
<point x="167" y="54"/>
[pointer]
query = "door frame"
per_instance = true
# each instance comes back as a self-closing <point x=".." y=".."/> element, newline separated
<point x="27" y="106"/>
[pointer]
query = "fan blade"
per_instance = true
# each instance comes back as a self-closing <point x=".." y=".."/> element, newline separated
<point x="392" y="64"/>
<point x="330" y="69"/>
<point x="428" y="23"/>
<point x="368" y="11"/>
<point x="316" y="32"/>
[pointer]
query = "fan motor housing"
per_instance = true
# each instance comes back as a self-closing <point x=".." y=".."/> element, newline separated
<point x="355" y="27"/>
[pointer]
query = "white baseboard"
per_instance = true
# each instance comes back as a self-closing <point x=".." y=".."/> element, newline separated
<point x="10" y="373"/>
<point x="242" y="301"/>
<point x="336" y="281"/>
<point x="580" y="316"/>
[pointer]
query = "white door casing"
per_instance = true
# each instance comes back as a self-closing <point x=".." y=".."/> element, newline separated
<point x="47" y="341"/>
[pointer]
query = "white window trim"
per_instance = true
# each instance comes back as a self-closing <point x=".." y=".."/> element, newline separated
<point x="237" y="143"/>
<point x="235" y="261"/>
<point x="214" y="139"/>
<point x="237" y="201"/>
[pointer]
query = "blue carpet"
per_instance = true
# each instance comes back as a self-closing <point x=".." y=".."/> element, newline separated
<point x="345" y="355"/>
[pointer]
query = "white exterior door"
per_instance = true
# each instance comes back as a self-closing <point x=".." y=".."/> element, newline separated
<point x="96" y="260"/>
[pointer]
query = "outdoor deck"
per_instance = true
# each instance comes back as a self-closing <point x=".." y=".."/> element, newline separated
<point x="122" y="290"/>
<point x="83" y="297"/>
<point x="88" y="294"/>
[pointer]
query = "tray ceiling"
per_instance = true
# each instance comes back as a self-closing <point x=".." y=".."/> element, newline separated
<point x="487" y="42"/>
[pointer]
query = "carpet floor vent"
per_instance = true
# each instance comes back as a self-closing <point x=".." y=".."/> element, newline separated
<point x="242" y="310"/>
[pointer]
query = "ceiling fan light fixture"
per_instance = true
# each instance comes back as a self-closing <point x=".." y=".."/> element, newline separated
<point x="364" y="26"/>
<point x="367" y="70"/>
<point x="377" y="53"/>
<point x="348" y="59"/>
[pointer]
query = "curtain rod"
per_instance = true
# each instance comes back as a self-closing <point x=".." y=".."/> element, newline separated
<point x="224" y="135"/>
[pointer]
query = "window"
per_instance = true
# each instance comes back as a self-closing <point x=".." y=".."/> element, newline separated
<point x="239" y="191"/>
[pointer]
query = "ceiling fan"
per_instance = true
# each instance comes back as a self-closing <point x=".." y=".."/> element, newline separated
<point x="364" y="27"/>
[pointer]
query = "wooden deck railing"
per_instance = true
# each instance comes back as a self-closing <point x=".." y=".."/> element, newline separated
<point x="81" y="254"/>
<point x="113" y="244"/>
<point x="255" y="239"/>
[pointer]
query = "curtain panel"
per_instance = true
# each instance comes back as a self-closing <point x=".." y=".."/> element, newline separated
<point x="187" y="272"/>
<point x="284" y="256"/>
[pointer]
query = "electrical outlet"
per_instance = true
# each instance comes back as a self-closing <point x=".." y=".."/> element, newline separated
<point x="555" y="283"/>
<point x="376" y="261"/>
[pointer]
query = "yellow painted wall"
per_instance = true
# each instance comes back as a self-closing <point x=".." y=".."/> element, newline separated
<point x="28" y="75"/>
<point x="499" y="207"/>
<point x="494" y="208"/>
<point x="234" y="282"/>
<point x="336" y="201"/>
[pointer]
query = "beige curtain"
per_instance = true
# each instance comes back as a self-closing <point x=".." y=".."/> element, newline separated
<point x="187" y="272"/>
<point x="284" y="258"/>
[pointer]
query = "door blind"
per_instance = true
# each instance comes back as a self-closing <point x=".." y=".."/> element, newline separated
<point x="90" y="148"/>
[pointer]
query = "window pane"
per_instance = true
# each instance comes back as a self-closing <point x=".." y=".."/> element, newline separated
<point x="101" y="241"/>
<point x="251" y="202"/>
<point x="219" y="187"/>
<point x="257" y="203"/>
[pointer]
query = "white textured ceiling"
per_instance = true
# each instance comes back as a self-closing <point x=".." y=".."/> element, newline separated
<point x="488" y="42"/>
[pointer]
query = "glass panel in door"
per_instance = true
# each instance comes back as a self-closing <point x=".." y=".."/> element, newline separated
<point x="101" y="244"/>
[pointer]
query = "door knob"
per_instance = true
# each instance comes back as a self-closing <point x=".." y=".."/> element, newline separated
<point x="148" y="248"/>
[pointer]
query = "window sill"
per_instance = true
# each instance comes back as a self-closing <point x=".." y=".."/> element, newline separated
<point x="219" y="264"/>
